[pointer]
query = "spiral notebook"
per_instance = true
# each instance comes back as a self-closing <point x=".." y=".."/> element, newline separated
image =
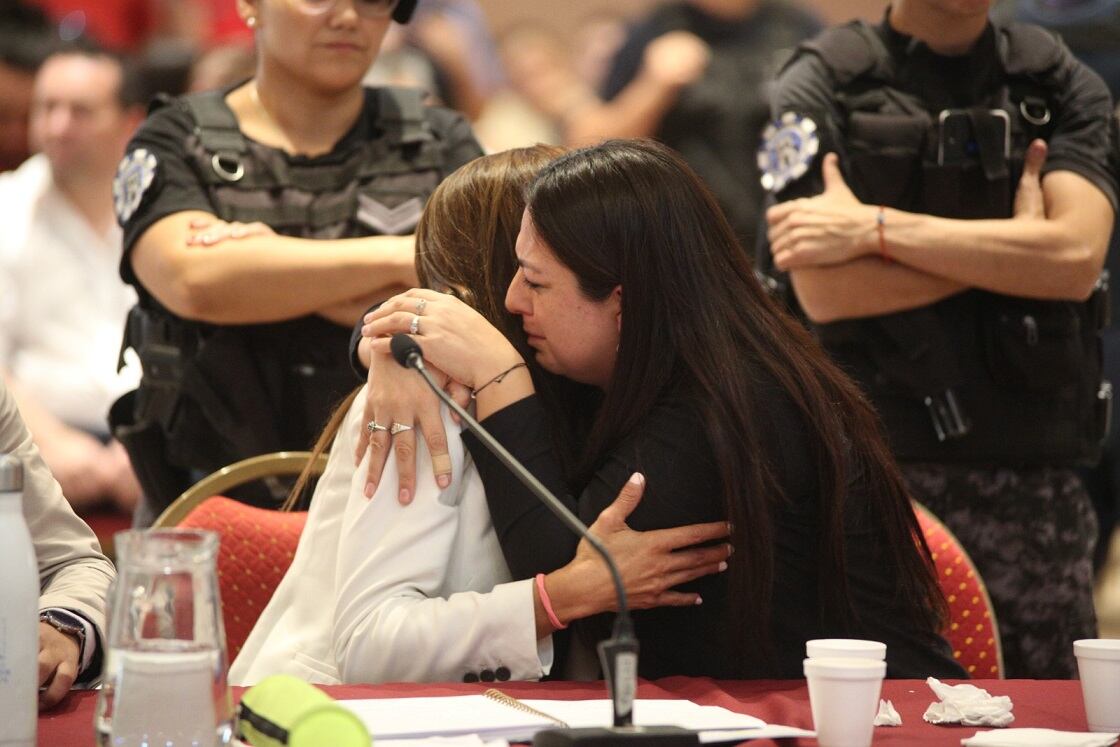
<point x="495" y="715"/>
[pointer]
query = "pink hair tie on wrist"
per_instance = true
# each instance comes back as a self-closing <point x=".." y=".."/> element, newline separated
<point x="547" y="604"/>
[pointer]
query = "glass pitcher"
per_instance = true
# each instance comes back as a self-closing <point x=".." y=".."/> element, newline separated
<point x="164" y="680"/>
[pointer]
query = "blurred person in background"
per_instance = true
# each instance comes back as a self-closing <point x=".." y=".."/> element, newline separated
<point x="694" y="74"/>
<point x="25" y="37"/>
<point x="259" y="223"/>
<point x="61" y="303"/>
<point x="74" y="577"/>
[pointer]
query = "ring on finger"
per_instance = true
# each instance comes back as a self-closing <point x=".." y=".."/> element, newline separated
<point x="414" y="326"/>
<point x="373" y="427"/>
<point x="421" y="305"/>
<point x="396" y="428"/>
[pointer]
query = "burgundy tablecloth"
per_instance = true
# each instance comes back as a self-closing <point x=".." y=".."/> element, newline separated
<point x="1041" y="703"/>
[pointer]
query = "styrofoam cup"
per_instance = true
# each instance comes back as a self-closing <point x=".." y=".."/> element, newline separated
<point x="1098" y="664"/>
<point x="844" y="698"/>
<point x="847" y="648"/>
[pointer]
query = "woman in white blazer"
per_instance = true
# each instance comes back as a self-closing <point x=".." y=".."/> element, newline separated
<point x="379" y="591"/>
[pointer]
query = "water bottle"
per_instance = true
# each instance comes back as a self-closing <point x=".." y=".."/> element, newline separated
<point x="165" y="676"/>
<point x="19" y="619"/>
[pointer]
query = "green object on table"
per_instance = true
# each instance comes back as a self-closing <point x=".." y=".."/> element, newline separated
<point x="285" y="711"/>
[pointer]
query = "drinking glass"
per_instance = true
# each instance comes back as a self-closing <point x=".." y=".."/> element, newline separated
<point x="165" y="675"/>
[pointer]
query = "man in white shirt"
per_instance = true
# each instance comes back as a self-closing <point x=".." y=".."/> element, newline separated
<point x="62" y="303"/>
<point x="74" y="576"/>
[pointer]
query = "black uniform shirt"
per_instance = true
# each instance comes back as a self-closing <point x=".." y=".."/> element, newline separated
<point x="177" y="187"/>
<point x="1083" y="139"/>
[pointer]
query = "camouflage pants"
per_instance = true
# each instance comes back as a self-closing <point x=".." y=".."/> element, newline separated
<point x="1031" y="534"/>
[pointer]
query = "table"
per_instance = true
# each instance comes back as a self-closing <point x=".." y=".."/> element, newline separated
<point x="1054" y="704"/>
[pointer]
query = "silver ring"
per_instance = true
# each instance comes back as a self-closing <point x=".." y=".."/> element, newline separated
<point x="396" y="428"/>
<point x="421" y="305"/>
<point x="373" y="427"/>
<point x="414" y="327"/>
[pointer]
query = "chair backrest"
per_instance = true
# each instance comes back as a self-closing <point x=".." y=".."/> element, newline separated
<point x="257" y="544"/>
<point x="973" y="630"/>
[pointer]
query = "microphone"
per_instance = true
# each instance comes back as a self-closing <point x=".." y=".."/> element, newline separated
<point x="619" y="653"/>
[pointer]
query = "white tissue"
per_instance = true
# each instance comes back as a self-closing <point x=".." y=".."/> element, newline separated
<point x="1038" y="738"/>
<point x="968" y="705"/>
<point x="887" y="715"/>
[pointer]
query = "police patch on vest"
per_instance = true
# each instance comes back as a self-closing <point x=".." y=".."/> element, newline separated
<point x="387" y="221"/>
<point x="789" y="145"/>
<point x="134" y="175"/>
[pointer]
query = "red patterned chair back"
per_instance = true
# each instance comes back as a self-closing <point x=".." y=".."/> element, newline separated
<point x="256" y="549"/>
<point x="257" y="544"/>
<point x="973" y="630"/>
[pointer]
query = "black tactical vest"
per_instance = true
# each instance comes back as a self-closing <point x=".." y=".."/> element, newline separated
<point x="979" y="377"/>
<point x="220" y="393"/>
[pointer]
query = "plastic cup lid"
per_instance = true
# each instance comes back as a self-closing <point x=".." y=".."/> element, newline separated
<point x="825" y="645"/>
<point x="1097" y="648"/>
<point x="845" y="668"/>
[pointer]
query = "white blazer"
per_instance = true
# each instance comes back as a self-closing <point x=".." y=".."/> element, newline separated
<point x="379" y="592"/>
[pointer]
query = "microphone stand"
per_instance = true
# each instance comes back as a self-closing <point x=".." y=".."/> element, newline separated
<point x="619" y="653"/>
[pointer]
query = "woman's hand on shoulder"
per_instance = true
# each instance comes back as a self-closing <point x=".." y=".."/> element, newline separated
<point x="651" y="563"/>
<point x="454" y="337"/>
<point x="398" y="399"/>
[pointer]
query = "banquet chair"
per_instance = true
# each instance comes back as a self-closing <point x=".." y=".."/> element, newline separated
<point x="973" y="632"/>
<point x="257" y="544"/>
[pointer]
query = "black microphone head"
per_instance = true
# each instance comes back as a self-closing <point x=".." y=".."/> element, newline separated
<point x="406" y="351"/>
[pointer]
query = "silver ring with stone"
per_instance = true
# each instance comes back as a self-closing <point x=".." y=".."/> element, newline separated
<point x="414" y="326"/>
<point x="396" y="428"/>
<point x="421" y="305"/>
<point x="373" y="427"/>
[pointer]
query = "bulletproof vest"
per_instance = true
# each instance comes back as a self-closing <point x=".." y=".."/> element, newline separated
<point x="225" y="392"/>
<point x="979" y="377"/>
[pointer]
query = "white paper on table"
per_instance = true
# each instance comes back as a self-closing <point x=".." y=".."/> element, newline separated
<point x="1039" y="738"/>
<point x="413" y="718"/>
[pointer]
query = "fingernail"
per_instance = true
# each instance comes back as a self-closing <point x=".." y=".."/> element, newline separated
<point x="637" y="479"/>
<point x="722" y="566"/>
<point x="368" y="318"/>
<point x="404" y="496"/>
<point x="730" y="550"/>
<point x="699" y="600"/>
<point x="369" y="490"/>
<point x="443" y="480"/>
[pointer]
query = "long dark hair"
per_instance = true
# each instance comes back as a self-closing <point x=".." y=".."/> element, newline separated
<point x="465" y="245"/>
<point x="633" y="214"/>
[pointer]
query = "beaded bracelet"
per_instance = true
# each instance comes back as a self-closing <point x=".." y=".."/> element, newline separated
<point x="497" y="379"/>
<point x="547" y="603"/>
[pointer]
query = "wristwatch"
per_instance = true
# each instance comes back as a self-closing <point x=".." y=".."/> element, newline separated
<point x="66" y="624"/>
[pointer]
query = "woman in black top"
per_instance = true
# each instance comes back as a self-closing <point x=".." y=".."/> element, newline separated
<point x="631" y="281"/>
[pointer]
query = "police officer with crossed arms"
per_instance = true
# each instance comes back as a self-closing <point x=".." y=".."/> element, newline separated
<point x="947" y="188"/>
<point x="259" y="223"/>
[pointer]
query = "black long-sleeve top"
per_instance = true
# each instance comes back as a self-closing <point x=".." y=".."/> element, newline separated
<point x="672" y="450"/>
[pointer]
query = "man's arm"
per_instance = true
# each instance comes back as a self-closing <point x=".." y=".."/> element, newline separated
<point x="265" y="278"/>
<point x="73" y="574"/>
<point x="669" y="64"/>
<point x="862" y="287"/>
<point x="1053" y="247"/>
